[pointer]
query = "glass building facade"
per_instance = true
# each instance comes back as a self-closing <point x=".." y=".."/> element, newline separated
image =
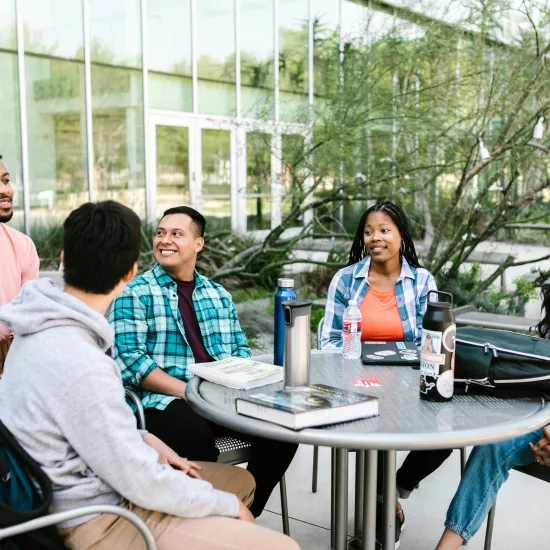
<point x="157" y="103"/>
<point x="154" y="103"/>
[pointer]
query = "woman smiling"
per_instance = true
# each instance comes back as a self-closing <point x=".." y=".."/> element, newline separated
<point x="384" y="276"/>
<point x="391" y="289"/>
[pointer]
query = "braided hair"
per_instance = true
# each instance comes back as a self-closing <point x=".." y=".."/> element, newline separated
<point x="358" y="249"/>
<point x="543" y="328"/>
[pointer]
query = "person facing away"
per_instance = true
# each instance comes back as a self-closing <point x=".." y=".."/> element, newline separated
<point x="63" y="400"/>
<point x="19" y="261"/>
<point x="171" y="317"/>
<point x="391" y="289"/>
<point x="489" y="466"/>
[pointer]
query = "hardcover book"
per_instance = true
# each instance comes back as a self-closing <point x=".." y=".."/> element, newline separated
<point x="305" y="406"/>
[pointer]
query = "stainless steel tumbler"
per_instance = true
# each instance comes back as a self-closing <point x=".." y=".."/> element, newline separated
<point x="297" y="361"/>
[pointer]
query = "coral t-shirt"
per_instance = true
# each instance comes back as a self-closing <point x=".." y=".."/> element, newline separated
<point x="19" y="262"/>
<point x="381" y="320"/>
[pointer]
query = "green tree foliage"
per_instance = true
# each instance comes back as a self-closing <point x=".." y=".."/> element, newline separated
<point x="400" y="118"/>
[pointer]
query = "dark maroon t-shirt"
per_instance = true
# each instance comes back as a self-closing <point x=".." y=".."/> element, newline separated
<point x="190" y="323"/>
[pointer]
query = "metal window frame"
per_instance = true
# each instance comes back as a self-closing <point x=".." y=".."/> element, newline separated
<point x="88" y="105"/>
<point x="149" y="206"/>
<point x="309" y="181"/>
<point x="23" y="119"/>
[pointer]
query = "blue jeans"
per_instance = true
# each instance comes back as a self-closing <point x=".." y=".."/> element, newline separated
<point x="487" y="469"/>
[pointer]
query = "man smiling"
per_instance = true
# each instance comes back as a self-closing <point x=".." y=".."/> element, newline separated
<point x="19" y="262"/>
<point x="169" y="318"/>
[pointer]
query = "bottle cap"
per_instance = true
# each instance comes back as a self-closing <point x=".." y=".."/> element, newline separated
<point x="352" y="302"/>
<point x="285" y="283"/>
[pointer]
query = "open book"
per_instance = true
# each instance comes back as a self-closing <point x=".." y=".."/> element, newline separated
<point x="241" y="374"/>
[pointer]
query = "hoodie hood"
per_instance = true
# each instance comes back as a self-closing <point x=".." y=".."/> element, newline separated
<point x="41" y="305"/>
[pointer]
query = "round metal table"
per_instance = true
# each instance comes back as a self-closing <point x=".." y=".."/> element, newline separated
<point x="405" y="423"/>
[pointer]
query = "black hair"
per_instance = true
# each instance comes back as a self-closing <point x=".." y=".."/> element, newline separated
<point x="358" y="250"/>
<point x="197" y="217"/>
<point x="543" y="328"/>
<point x="101" y="244"/>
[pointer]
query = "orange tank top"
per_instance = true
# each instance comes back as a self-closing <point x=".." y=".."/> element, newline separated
<point x="381" y="321"/>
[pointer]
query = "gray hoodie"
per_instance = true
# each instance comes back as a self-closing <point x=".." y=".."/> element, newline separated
<point x="63" y="399"/>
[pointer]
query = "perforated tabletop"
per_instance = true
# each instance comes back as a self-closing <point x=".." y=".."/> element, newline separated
<point x="405" y="421"/>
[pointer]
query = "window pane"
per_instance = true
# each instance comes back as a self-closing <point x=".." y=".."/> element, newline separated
<point x="54" y="27"/>
<point x="10" y="142"/>
<point x="171" y="92"/>
<point x="172" y="167"/>
<point x="258" y="181"/>
<point x="354" y="21"/>
<point x="7" y="24"/>
<point x="118" y="136"/>
<point x="55" y="108"/>
<point x="293" y="59"/>
<point x="216" y="175"/>
<point x="257" y="58"/>
<point x="325" y="45"/>
<point x="116" y="32"/>
<point x="293" y="173"/>
<point x="216" y="56"/>
<point x="57" y="138"/>
<point x="170" y="83"/>
<point x="169" y="36"/>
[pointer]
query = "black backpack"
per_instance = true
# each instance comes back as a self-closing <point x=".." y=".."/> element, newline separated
<point x="25" y="494"/>
<point x="503" y="362"/>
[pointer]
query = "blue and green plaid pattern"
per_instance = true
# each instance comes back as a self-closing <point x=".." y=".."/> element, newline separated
<point x="149" y="330"/>
<point x="411" y="294"/>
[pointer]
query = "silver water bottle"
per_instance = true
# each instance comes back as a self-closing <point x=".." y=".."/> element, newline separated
<point x="297" y="361"/>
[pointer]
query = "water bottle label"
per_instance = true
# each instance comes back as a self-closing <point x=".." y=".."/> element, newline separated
<point x="445" y="384"/>
<point x="352" y="326"/>
<point x="449" y="337"/>
<point x="430" y="353"/>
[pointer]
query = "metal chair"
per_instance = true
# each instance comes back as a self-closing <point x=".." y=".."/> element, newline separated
<point x="232" y="451"/>
<point x="54" y="519"/>
<point x="537" y="471"/>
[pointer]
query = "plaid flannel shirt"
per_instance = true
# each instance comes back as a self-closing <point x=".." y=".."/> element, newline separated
<point x="149" y="331"/>
<point x="411" y="293"/>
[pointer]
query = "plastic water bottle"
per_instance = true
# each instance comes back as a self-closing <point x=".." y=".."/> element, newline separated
<point x="351" y="331"/>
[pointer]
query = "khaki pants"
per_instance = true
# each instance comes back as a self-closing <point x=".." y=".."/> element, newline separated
<point x="174" y="533"/>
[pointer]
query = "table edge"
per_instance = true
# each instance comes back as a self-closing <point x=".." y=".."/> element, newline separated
<point x="398" y="442"/>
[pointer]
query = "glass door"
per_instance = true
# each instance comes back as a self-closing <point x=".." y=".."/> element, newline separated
<point x="191" y="163"/>
<point x="172" y="167"/>
<point x="216" y="176"/>
<point x="258" y="181"/>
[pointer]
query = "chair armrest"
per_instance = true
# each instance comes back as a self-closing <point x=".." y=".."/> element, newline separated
<point x="53" y="519"/>
<point x="134" y="398"/>
<point x="319" y="331"/>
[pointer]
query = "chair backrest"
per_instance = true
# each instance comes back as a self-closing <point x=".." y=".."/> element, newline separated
<point x="319" y="331"/>
<point x="133" y="397"/>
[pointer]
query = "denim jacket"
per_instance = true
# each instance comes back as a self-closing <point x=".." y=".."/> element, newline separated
<point x="411" y="293"/>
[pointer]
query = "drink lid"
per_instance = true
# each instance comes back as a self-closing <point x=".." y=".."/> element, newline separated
<point x="440" y="306"/>
<point x="352" y="302"/>
<point x="285" y="283"/>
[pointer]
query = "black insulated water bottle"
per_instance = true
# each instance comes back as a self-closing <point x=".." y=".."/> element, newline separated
<point x="438" y="350"/>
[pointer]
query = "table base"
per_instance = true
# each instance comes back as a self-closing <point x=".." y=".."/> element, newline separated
<point x="366" y="497"/>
